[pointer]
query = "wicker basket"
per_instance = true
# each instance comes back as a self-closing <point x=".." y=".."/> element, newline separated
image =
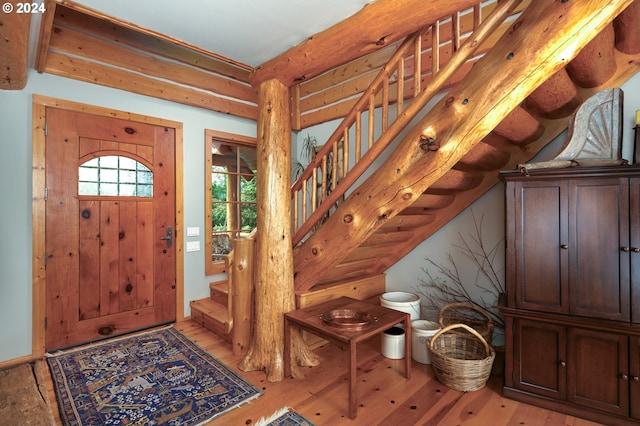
<point x="461" y="361"/>
<point x="468" y="314"/>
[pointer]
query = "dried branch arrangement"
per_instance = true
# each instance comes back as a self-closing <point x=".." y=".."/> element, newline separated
<point x="443" y="283"/>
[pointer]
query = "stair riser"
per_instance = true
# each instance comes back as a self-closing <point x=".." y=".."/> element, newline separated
<point x="219" y="296"/>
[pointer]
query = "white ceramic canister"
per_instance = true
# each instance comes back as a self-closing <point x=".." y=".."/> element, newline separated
<point x="393" y="343"/>
<point x="421" y="332"/>
<point x="401" y="301"/>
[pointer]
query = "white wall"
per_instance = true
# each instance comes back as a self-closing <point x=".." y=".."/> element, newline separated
<point x="15" y="178"/>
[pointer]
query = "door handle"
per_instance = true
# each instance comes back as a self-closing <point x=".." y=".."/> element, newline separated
<point x="169" y="237"/>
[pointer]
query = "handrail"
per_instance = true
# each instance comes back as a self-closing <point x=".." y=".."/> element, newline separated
<point x="377" y="94"/>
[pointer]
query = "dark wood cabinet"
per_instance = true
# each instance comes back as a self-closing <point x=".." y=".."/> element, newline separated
<point x="572" y="318"/>
<point x="567" y="243"/>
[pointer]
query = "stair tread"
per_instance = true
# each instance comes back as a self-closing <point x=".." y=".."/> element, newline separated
<point x="222" y="286"/>
<point x="210" y="308"/>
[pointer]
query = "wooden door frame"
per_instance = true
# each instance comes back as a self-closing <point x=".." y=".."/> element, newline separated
<point x="40" y="105"/>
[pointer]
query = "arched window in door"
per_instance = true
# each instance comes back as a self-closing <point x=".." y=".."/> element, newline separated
<point x="115" y="175"/>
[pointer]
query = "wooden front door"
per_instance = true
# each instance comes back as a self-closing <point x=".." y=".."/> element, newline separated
<point x="110" y="225"/>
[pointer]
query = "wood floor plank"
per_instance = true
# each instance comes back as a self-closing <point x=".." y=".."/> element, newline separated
<point x="385" y="397"/>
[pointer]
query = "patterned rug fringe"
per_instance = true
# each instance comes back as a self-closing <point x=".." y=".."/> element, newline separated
<point x="284" y="417"/>
<point x="264" y="421"/>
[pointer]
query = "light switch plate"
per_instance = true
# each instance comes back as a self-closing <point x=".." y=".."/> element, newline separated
<point x="193" y="246"/>
<point x="193" y="231"/>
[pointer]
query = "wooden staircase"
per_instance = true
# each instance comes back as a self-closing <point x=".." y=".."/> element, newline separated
<point x="351" y="229"/>
<point x="212" y="312"/>
<point x="373" y="235"/>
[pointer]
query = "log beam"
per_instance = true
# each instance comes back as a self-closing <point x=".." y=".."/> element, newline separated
<point x="378" y="24"/>
<point x="14" y="46"/>
<point x="544" y="39"/>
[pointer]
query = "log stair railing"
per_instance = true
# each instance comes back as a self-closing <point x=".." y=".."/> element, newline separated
<point x="368" y="245"/>
<point x="332" y="172"/>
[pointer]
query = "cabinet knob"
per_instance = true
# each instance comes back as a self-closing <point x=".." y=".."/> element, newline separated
<point x="635" y="378"/>
<point x="624" y="376"/>
<point x="563" y="364"/>
<point x="626" y="249"/>
<point x="564" y="246"/>
<point x="635" y="249"/>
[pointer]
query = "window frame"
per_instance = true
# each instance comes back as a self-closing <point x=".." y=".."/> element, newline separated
<point x="99" y="168"/>
<point x="217" y="267"/>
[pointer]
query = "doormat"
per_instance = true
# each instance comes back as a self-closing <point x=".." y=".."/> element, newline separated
<point x="23" y="396"/>
<point x="284" y="417"/>
<point x="153" y="378"/>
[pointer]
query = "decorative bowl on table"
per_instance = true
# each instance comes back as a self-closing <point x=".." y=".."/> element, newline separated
<point x="348" y="319"/>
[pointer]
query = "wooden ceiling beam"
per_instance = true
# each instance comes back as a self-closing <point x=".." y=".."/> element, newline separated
<point x="378" y="24"/>
<point x="14" y="46"/>
<point x="68" y="13"/>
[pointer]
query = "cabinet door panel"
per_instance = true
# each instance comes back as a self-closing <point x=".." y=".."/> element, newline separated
<point x="599" y="268"/>
<point x="541" y="230"/>
<point x="539" y="358"/>
<point x="596" y="364"/>
<point x="634" y="232"/>
<point x="634" y="375"/>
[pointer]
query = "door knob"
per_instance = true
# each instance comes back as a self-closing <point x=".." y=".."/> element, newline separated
<point x="169" y="236"/>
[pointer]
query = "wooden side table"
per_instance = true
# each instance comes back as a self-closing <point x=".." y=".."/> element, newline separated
<point x="310" y="319"/>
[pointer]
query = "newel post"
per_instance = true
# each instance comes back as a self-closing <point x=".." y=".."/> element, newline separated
<point x="242" y="294"/>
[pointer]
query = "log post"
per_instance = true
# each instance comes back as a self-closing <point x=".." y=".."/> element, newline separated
<point x="274" y="287"/>
<point x="242" y="294"/>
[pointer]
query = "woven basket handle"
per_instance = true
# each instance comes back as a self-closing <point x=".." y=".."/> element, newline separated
<point x="464" y="305"/>
<point x="466" y="327"/>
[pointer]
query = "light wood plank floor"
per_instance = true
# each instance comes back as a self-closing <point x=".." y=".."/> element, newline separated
<point x="385" y="397"/>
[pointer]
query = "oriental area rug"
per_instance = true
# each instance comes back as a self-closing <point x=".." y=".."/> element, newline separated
<point x="158" y="377"/>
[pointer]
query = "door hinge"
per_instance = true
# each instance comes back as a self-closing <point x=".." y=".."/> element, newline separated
<point x="46" y="193"/>
<point x="46" y="129"/>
